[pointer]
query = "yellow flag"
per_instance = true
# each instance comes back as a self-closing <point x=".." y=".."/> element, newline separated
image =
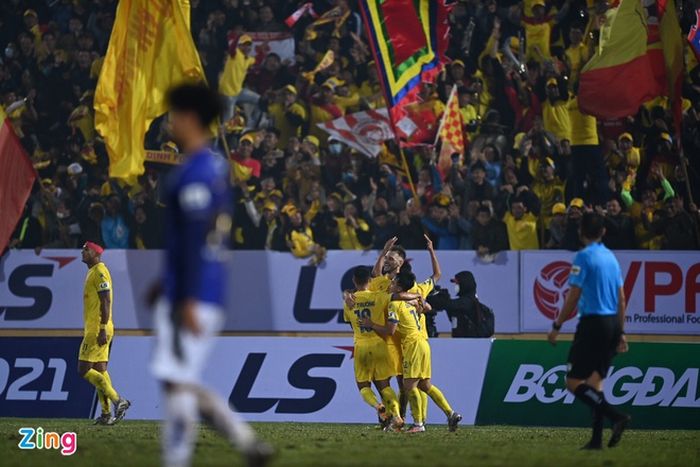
<point x="150" y="50"/>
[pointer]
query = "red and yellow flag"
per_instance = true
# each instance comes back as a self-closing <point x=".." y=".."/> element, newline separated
<point x="17" y="177"/>
<point x="150" y="50"/>
<point x="620" y="76"/>
<point x="451" y="133"/>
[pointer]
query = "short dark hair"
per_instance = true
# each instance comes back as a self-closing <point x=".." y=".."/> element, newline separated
<point x="197" y="98"/>
<point x="406" y="267"/>
<point x="485" y="209"/>
<point x="361" y="275"/>
<point x="405" y="280"/>
<point x="592" y="225"/>
<point x="400" y="250"/>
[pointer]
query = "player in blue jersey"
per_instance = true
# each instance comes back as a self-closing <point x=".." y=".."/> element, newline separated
<point x="190" y="311"/>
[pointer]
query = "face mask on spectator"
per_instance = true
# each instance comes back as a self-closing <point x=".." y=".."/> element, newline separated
<point x="456" y="289"/>
<point x="9" y="52"/>
<point x="335" y="148"/>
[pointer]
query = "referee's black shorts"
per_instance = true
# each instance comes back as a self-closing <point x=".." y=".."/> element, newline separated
<point x="594" y="346"/>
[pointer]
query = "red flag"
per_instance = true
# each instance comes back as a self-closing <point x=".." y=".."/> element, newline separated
<point x="16" y="179"/>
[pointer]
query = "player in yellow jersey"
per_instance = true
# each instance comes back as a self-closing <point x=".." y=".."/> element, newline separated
<point x="97" y="334"/>
<point x="390" y="262"/>
<point x="370" y="354"/>
<point x="405" y="317"/>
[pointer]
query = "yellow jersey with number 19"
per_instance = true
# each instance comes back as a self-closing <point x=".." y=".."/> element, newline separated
<point x="409" y="322"/>
<point x="97" y="280"/>
<point x="368" y="304"/>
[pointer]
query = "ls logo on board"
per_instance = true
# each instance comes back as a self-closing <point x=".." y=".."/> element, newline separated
<point x="298" y="377"/>
<point x="303" y="312"/>
<point x="21" y="284"/>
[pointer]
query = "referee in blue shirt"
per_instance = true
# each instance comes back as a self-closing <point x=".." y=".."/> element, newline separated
<point x="596" y="287"/>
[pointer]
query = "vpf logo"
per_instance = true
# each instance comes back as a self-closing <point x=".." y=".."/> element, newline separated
<point x="550" y="288"/>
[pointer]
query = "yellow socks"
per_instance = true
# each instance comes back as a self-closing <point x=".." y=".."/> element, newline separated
<point x="104" y="401"/>
<point x="391" y="402"/>
<point x="424" y="405"/>
<point x="437" y="397"/>
<point x="102" y="384"/>
<point x="369" y="397"/>
<point x="415" y="402"/>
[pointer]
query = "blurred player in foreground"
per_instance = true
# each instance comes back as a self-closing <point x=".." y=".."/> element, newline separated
<point x="191" y="312"/>
<point x="597" y="290"/>
<point x="372" y="363"/>
<point x="417" y="369"/>
<point x="97" y="334"/>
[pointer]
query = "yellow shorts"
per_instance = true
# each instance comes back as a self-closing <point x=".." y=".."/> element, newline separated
<point x="395" y="360"/>
<point x="372" y="361"/>
<point x="416" y="360"/>
<point x="91" y="351"/>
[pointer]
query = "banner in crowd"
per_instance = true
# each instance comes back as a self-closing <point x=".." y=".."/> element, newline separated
<point x="45" y="291"/>
<point x="364" y="131"/>
<point x="265" y="43"/>
<point x="39" y="378"/>
<point x="655" y="383"/>
<point x="661" y="288"/>
<point x="163" y="157"/>
<point x="295" y="379"/>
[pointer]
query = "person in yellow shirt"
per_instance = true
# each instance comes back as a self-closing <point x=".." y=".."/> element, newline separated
<point x="577" y="54"/>
<point x="630" y="153"/>
<point x="470" y="114"/>
<point x="522" y="227"/>
<point x="353" y="232"/>
<point x="549" y="189"/>
<point x="97" y="334"/>
<point x="300" y="238"/>
<point x="287" y="115"/>
<point x="404" y="317"/>
<point x="555" y="111"/>
<point x="322" y="109"/>
<point x="370" y="349"/>
<point x="232" y="79"/>
<point x="538" y="30"/>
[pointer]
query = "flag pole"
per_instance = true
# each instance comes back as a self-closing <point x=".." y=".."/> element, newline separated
<point x="408" y="172"/>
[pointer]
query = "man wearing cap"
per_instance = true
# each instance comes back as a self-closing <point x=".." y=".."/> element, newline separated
<point x="555" y="112"/>
<point x="233" y="76"/>
<point x="323" y="108"/>
<point x="244" y="157"/>
<point x="557" y="227"/>
<point x="97" y="334"/>
<point x="462" y="310"/>
<point x="287" y="115"/>
<point x="596" y="290"/>
<point x="549" y="189"/>
<point x="572" y="240"/>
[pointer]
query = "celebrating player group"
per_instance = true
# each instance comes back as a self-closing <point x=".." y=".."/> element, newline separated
<point x="387" y="314"/>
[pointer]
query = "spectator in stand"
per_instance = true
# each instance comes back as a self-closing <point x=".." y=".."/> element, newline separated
<point x="678" y="227"/>
<point x="521" y="226"/>
<point x="233" y="76"/>
<point x="244" y="157"/>
<point x="557" y="227"/>
<point x="489" y="235"/>
<point x="619" y="229"/>
<point x="115" y="231"/>
<point x="549" y="189"/>
<point x="572" y="240"/>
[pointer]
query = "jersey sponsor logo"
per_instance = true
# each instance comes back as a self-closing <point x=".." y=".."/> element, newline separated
<point x="195" y="197"/>
<point x="323" y="388"/>
<point x="654" y="386"/>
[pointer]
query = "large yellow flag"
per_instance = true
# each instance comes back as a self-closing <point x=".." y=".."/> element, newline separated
<point x="150" y="50"/>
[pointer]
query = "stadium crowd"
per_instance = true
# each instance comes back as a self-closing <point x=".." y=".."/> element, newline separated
<point x="534" y="163"/>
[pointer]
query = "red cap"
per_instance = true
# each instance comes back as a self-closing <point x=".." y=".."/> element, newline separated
<point x="94" y="247"/>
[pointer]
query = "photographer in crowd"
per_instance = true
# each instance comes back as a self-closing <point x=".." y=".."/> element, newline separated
<point x="469" y="317"/>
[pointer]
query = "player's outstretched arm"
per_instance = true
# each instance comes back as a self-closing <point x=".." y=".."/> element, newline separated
<point x="437" y="272"/>
<point x="379" y="265"/>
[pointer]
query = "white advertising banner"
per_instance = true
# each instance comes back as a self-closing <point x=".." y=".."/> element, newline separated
<point x="268" y="291"/>
<point x="661" y="287"/>
<point x="282" y="379"/>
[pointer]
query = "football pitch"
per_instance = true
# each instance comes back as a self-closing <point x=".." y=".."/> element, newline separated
<point x="135" y="443"/>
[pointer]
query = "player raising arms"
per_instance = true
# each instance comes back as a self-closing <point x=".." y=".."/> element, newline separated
<point x="405" y="317"/>
<point x="191" y="312"/>
<point x="371" y="355"/>
<point x="97" y="335"/>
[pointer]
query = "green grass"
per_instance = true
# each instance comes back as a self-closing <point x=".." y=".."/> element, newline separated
<point x="135" y="443"/>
